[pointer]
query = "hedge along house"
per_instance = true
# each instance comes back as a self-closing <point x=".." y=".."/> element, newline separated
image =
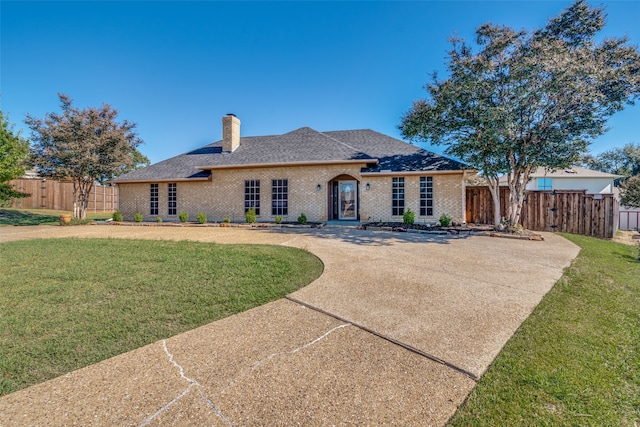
<point x="354" y="175"/>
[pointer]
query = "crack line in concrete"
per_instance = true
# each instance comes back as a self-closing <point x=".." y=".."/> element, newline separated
<point x="274" y="355"/>
<point x="294" y="351"/>
<point x="192" y="383"/>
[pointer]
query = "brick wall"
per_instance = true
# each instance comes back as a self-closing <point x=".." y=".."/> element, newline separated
<point x="375" y="203"/>
<point x="224" y="195"/>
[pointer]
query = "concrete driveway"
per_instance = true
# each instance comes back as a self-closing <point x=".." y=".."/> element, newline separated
<point x="395" y="331"/>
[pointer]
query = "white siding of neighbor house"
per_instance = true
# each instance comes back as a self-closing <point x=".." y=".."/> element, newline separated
<point x="591" y="185"/>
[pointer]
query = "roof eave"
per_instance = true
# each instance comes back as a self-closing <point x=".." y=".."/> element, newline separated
<point x="150" y="180"/>
<point x="289" y="164"/>
<point x="405" y="173"/>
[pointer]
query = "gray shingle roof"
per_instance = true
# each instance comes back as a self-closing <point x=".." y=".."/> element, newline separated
<point x="301" y="145"/>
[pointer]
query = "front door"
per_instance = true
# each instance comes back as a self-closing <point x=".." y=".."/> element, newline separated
<point x="347" y="197"/>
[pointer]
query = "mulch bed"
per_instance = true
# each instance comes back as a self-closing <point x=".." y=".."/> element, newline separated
<point x="478" y="229"/>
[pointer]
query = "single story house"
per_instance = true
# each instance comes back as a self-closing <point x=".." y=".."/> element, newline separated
<point x="352" y="175"/>
<point x="574" y="178"/>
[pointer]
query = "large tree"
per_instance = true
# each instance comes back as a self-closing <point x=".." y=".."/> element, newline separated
<point x="527" y="98"/>
<point x="14" y="159"/>
<point x="85" y="146"/>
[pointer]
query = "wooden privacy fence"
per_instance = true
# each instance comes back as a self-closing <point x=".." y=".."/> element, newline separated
<point x="50" y="194"/>
<point x="565" y="211"/>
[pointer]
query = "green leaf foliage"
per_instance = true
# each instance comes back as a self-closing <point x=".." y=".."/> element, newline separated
<point x="14" y="159"/>
<point x="86" y="146"/>
<point x="630" y="194"/>
<point x="623" y="161"/>
<point x="250" y="216"/>
<point x="408" y="217"/>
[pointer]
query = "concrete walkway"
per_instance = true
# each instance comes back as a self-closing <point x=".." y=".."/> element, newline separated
<point x="395" y="331"/>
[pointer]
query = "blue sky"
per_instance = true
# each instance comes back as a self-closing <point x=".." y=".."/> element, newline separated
<point x="175" y="68"/>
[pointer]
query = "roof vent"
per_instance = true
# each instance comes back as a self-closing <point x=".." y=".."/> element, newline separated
<point x="570" y="171"/>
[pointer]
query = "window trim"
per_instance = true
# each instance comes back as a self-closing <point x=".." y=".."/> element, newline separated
<point x="154" y="198"/>
<point x="172" y="199"/>
<point x="426" y="196"/>
<point x="545" y="184"/>
<point x="397" y="196"/>
<point x="279" y="197"/>
<point x="252" y="195"/>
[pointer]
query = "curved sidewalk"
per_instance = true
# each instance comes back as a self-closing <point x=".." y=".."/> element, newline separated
<point x="395" y="331"/>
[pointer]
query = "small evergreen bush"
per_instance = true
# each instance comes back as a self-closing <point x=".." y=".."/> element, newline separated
<point x="226" y="220"/>
<point x="408" y="217"/>
<point x="202" y="218"/>
<point x="445" y="220"/>
<point x="250" y="216"/>
<point x="117" y="216"/>
<point x="302" y="219"/>
<point x="184" y="216"/>
<point x="137" y="217"/>
<point x="278" y="219"/>
<point x="158" y="219"/>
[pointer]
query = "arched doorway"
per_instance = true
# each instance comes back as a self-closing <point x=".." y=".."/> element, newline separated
<point x="344" y="198"/>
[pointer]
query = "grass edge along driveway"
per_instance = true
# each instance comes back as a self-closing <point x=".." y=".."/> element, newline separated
<point x="576" y="359"/>
<point x="68" y="303"/>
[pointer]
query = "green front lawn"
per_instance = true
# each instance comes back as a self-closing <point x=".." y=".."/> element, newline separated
<point x="11" y="216"/>
<point x="576" y="360"/>
<point x="68" y="303"/>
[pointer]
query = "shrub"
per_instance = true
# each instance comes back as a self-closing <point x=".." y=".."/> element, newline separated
<point x="226" y="220"/>
<point x="184" y="216"/>
<point x="117" y="216"/>
<point x="202" y="218"/>
<point x="250" y="216"/>
<point x="278" y="219"/>
<point x="158" y="219"/>
<point x="137" y="217"/>
<point x="408" y="217"/>
<point x="302" y="219"/>
<point x="445" y="220"/>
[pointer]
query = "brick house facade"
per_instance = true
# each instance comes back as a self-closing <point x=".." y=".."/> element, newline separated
<point x="358" y="175"/>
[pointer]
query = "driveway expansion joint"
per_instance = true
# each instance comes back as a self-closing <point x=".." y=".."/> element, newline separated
<point x="431" y="357"/>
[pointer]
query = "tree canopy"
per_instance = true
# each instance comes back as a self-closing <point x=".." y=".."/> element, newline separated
<point x="84" y="145"/>
<point x="630" y="194"/>
<point x="623" y="161"/>
<point x="14" y="159"/>
<point x="527" y="98"/>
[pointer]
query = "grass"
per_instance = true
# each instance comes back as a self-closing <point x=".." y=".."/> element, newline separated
<point x="11" y="216"/>
<point x="68" y="303"/>
<point x="576" y="360"/>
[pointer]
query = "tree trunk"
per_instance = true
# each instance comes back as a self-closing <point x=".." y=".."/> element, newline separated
<point x="81" y="193"/>
<point x="517" y="186"/>
<point x="494" y="189"/>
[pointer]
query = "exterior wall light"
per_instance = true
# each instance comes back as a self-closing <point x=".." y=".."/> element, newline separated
<point x="318" y="187"/>
<point x="367" y="187"/>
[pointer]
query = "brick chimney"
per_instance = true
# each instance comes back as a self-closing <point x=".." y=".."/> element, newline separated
<point x="230" y="133"/>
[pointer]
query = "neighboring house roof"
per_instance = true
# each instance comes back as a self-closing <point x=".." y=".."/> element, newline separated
<point x="375" y="151"/>
<point x="30" y="174"/>
<point x="573" y="172"/>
